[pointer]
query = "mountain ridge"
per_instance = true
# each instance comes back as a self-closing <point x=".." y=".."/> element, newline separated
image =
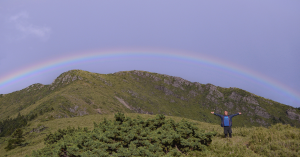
<point x="78" y="93"/>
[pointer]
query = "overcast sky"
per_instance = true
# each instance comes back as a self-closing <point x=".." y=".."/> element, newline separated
<point x="263" y="36"/>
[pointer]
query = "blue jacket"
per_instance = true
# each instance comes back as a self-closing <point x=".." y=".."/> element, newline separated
<point x="229" y="116"/>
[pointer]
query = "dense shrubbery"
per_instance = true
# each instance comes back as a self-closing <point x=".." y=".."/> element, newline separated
<point x="8" y="126"/>
<point x="128" y="137"/>
<point x="16" y="139"/>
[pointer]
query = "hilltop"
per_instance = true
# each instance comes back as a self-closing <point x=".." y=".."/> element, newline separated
<point x="77" y="93"/>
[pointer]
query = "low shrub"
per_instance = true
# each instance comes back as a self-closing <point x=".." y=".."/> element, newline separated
<point x="128" y="137"/>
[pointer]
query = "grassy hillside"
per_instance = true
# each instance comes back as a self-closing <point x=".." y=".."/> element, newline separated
<point x="277" y="140"/>
<point x="77" y="93"/>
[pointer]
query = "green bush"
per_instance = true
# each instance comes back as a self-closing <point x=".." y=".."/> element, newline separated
<point x="16" y="140"/>
<point x="128" y="137"/>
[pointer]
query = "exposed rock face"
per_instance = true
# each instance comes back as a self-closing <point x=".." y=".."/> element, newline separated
<point x="234" y="96"/>
<point x="36" y="86"/>
<point x="77" y="111"/>
<point x="169" y="92"/>
<point x="164" y="89"/>
<point x="156" y="78"/>
<point x="133" y="93"/>
<point x="38" y="129"/>
<point x="105" y="82"/>
<point x="250" y="100"/>
<point x="199" y="87"/>
<point x="73" y="110"/>
<point x="261" y="112"/>
<point x="193" y="93"/>
<point x="214" y="93"/>
<point x="64" y="80"/>
<point x="180" y="81"/>
<point x="139" y="73"/>
<point x="229" y="105"/>
<point x="146" y="74"/>
<point x="292" y="115"/>
<point x="82" y="112"/>
<point x="166" y="81"/>
<point x="211" y="98"/>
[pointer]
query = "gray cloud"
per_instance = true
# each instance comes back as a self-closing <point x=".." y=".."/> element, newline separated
<point x="21" y="23"/>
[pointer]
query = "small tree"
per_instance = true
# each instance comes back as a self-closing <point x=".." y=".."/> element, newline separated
<point x="17" y="139"/>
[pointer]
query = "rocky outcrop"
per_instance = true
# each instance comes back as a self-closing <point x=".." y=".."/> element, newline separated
<point x="193" y="93"/>
<point x="261" y="112"/>
<point x="213" y="94"/>
<point x="212" y="98"/>
<point x="178" y="82"/>
<point x="64" y="79"/>
<point x="145" y="74"/>
<point x="82" y="112"/>
<point x="36" y="86"/>
<point x="104" y="81"/>
<point x="132" y="93"/>
<point x="292" y="115"/>
<point x="234" y="96"/>
<point x="38" y="129"/>
<point x="164" y="89"/>
<point x="250" y="100"/>
<point x="229" y="105"/>
<point x="213" y="91"/>
<point x="199" y="86"/>
<point x="76" y="110"/>
<point x="166" y="81"/>
<point x="169" y="92"/>
<point x="73" y="110"/>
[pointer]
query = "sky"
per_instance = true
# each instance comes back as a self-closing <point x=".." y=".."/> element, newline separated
<point x="261" y="36"/>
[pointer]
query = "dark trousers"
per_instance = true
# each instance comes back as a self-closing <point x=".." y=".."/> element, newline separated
<point x="227" y="129"/>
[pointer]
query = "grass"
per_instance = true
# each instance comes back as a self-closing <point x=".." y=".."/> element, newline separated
<point x="277" y="140"/>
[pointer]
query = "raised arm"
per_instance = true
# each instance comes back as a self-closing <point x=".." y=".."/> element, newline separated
<point x="216" y="114"/>
<point x="236" y="114"/>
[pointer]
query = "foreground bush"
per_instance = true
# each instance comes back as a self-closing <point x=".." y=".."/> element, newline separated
<point x="128" y="137"/>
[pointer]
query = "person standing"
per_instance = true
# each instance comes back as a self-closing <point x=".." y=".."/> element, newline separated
<point x="226" y="122"/>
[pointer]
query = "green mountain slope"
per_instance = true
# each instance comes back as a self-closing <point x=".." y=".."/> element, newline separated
<point x="77" y="93"/>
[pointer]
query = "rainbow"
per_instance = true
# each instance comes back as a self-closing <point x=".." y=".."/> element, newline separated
<point x="51" y="64"/>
